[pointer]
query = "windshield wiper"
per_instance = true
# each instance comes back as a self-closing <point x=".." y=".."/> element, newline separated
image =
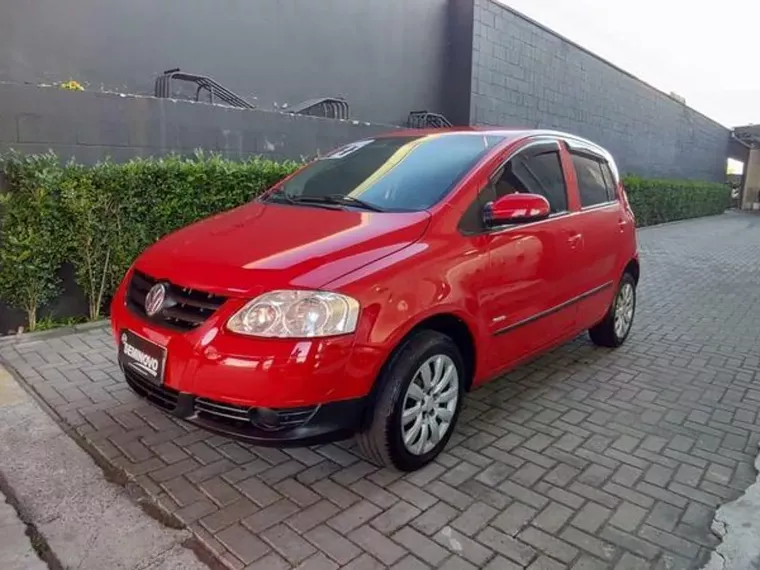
<point x="278" y="194"/>
<point x="341" y="200"/>
<point x="327" y="201"/>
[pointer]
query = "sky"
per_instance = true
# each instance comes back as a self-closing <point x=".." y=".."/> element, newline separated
<point x="707" y="54"/>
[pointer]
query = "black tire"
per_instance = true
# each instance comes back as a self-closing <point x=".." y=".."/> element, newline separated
<point x="382" y="441"/>
<point x="604" y="334"/>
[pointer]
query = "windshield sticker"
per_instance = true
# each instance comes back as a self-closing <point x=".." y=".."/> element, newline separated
<point x="344" y="151"/>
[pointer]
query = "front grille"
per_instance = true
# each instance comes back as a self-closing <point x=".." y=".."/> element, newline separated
<point x="162" y="396"/>
<point x="185" y="308"/>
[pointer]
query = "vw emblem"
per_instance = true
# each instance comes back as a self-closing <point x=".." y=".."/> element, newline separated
<point x="155" y="299"/>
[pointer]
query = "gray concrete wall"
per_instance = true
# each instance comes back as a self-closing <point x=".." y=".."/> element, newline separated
<point x="91" y="126"/>
<point x="387" y="58"/>
<point x="526" y="75"/>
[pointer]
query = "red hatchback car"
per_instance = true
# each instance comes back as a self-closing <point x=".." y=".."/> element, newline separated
<point x="369" y="291"/>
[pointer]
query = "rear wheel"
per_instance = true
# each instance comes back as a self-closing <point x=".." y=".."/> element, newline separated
<point x="616" y="325"/>
<point x="420" y="396"/>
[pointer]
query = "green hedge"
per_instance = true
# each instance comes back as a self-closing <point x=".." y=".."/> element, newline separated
<point x="99" y="218"/>
<point x="656" y="201"/>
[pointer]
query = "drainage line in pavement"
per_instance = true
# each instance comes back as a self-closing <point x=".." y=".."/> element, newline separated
<point x="38" y="542"/>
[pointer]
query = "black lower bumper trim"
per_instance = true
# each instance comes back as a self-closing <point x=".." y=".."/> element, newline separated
<point x="328" y="422"/>
<point x="331" y="422"/>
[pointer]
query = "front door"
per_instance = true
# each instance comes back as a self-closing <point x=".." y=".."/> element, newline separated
<point x="533" y="269"/>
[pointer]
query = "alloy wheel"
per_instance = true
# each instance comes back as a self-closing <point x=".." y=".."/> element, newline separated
<point x="624" y="305"/>
<point x="429" y="404"/>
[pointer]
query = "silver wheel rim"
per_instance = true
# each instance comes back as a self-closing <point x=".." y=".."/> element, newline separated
<point x="429" y="404"/>
<point x="624" y="305"/>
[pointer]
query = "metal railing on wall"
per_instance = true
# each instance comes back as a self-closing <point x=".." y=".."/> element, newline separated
<point x="427" y="120"/>
<point x="217" y="93"/>
<point x="328" y="107"/>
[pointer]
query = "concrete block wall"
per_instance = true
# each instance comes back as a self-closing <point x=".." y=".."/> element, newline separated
<point x="526" y="75"/>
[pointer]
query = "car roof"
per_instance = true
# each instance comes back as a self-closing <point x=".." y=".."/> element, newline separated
<point x="512" y="133"/>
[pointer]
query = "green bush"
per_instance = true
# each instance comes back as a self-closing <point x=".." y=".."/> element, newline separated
<point x="99" y="218"/>
<point x="656" y="201"/>
<point x="31" y="218"/>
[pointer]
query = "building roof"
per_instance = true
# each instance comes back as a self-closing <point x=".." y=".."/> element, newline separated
<point x="749" y="134"/>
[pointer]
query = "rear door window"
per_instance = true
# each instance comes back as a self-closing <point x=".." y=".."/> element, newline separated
<point x="610" y="180"/>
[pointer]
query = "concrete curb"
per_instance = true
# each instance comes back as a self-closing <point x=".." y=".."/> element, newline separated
<point x="53" y="333"/>
<point x="86" y="522"/>
<point x="686" y="220"/>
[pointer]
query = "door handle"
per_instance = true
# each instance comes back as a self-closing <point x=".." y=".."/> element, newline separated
<point x="574" y="240"/>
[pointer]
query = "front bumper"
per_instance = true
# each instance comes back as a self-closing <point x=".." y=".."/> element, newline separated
<point x="211" y="362"/>
<point x="281" y="427"/>
<point x="226" y="383"/>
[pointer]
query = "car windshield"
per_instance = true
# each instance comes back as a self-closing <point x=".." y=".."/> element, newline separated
<point x="401" y="173"/>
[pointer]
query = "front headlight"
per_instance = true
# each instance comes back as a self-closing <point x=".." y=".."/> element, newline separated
<point x="296" y="314"/>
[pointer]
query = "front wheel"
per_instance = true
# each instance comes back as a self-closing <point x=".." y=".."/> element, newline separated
<point x="616" y="325"/>
<point x="419" y="399"/>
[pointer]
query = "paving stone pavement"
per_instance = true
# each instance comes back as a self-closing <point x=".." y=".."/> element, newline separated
<point x="586" y="458"/>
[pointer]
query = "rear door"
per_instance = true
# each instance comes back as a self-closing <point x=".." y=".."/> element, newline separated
<point x="531" y="275"/>
<point x="602" y="222"/>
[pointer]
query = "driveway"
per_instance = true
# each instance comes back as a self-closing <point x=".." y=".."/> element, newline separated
<point x="586" y="458"/>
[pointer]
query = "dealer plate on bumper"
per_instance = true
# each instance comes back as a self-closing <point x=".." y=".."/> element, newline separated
<point x="142" y="356"/>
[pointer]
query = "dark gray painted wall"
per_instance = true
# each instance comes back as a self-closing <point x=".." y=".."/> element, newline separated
<point x="457" y="83"/>
<point x="386" y="57"/>
<point x="525" y="75"/>
<point x="91" y="126"/>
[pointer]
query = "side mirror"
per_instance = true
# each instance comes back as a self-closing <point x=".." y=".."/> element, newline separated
<point x="516" y="209"/>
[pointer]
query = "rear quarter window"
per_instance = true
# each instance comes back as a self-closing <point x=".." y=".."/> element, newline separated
<point x="593" y="182"/>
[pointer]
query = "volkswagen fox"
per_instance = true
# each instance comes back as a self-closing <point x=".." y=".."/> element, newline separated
<point x="368" y="292"/>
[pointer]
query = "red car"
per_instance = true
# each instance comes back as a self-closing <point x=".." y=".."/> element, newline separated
<point x="369" y="291"/>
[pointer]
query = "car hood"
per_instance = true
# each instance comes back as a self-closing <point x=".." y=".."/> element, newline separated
<point x="259" y="247"/>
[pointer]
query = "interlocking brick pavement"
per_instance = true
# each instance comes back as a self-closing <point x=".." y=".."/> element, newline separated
<point x="585" y="458"/>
